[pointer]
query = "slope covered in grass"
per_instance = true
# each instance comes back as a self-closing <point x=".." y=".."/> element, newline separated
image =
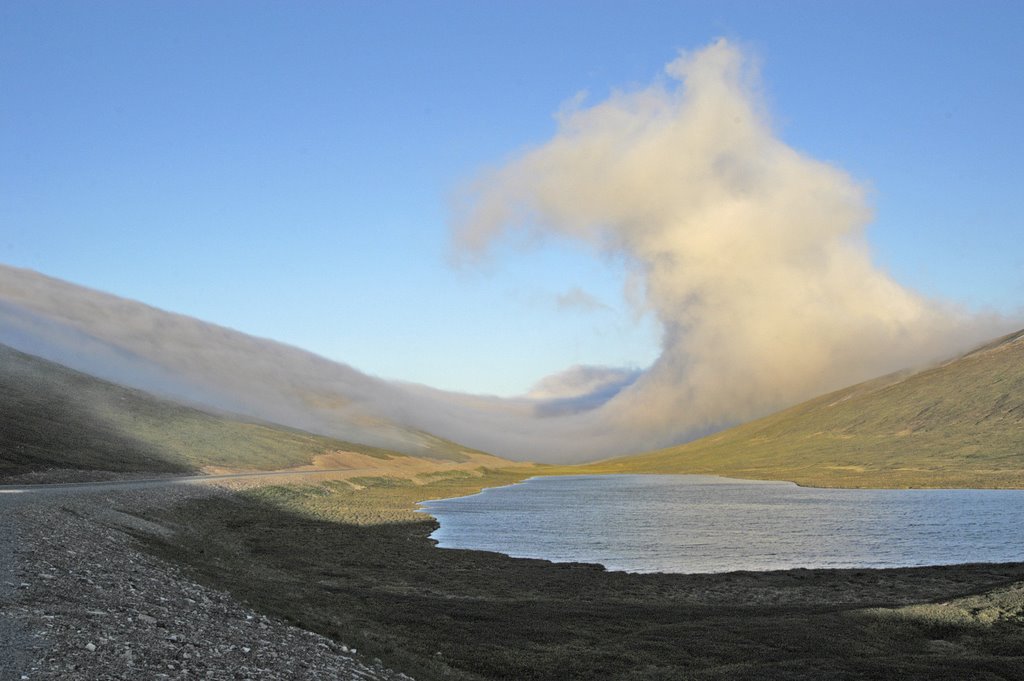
<point x="960" y="424"/>
<point x="52" y="417"/>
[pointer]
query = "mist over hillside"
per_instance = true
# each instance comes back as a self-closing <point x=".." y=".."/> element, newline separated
<point x="55" y="420"/>
<point x="957" y="424"/>
<point x="215" y="367"/>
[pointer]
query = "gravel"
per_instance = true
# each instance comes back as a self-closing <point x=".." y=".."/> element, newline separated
<point x="80" y="599"/>
<point x="14" y="651"/>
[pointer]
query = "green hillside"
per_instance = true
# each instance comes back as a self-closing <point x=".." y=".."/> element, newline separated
<point x="960" y="424"/>
<point x="52" y="417"/>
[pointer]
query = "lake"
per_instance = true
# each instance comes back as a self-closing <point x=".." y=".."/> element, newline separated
<point x="699" y="523"/>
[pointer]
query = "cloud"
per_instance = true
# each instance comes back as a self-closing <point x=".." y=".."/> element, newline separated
<point x="752" y="255"/>
<point x="579" y="389"/>
<point x="578" y="299"/>
<point x="581" y="380"/>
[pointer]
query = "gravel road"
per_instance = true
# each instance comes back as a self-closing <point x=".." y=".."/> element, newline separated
<point x="80" y="599"/>
<point x="14" y="654"/>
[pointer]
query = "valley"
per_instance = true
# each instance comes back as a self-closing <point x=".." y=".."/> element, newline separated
<point x="511" y="341"/>
<point x="315" y="534"/>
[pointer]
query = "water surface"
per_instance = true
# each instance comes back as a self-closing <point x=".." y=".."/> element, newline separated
<point x="698" y="523"/>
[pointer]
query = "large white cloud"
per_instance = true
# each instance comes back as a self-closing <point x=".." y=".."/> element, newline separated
<point x="753" y="254"/>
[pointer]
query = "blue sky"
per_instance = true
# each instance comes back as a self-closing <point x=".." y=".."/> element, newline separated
<point x="287" y="169"/>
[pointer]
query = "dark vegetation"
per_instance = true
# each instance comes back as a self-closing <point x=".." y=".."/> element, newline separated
<point x="960" y="424"/>
<point x="52" y="417"/>
<point x="356" y="564"/>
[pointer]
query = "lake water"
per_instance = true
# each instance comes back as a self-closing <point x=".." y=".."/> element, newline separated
<point x="697" y="523"/>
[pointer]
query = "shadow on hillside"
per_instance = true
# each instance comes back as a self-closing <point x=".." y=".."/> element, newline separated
<point x="50" y="438"/>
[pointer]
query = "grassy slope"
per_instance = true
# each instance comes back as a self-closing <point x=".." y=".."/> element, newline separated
<point x="960" y="424"/>
<point x="52" y="417"/>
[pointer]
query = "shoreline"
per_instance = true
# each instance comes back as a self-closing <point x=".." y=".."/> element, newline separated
<point x="421" y="509"/>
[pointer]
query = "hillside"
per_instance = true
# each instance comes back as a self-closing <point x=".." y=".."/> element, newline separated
<point x="52" y="417"/>
<point x="212" y="367"/>
<point x="959" y="424"/>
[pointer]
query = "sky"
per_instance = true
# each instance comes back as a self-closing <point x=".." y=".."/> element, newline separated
<point x="315" y="172"/>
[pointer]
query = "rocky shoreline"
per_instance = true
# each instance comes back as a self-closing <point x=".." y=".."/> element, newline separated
<point x="80" y="599"/>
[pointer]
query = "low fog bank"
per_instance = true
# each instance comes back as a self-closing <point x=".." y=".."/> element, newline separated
<point x="192" y="361"/>
<point x="214" y="367"/>
<point x="568" y="417"/>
